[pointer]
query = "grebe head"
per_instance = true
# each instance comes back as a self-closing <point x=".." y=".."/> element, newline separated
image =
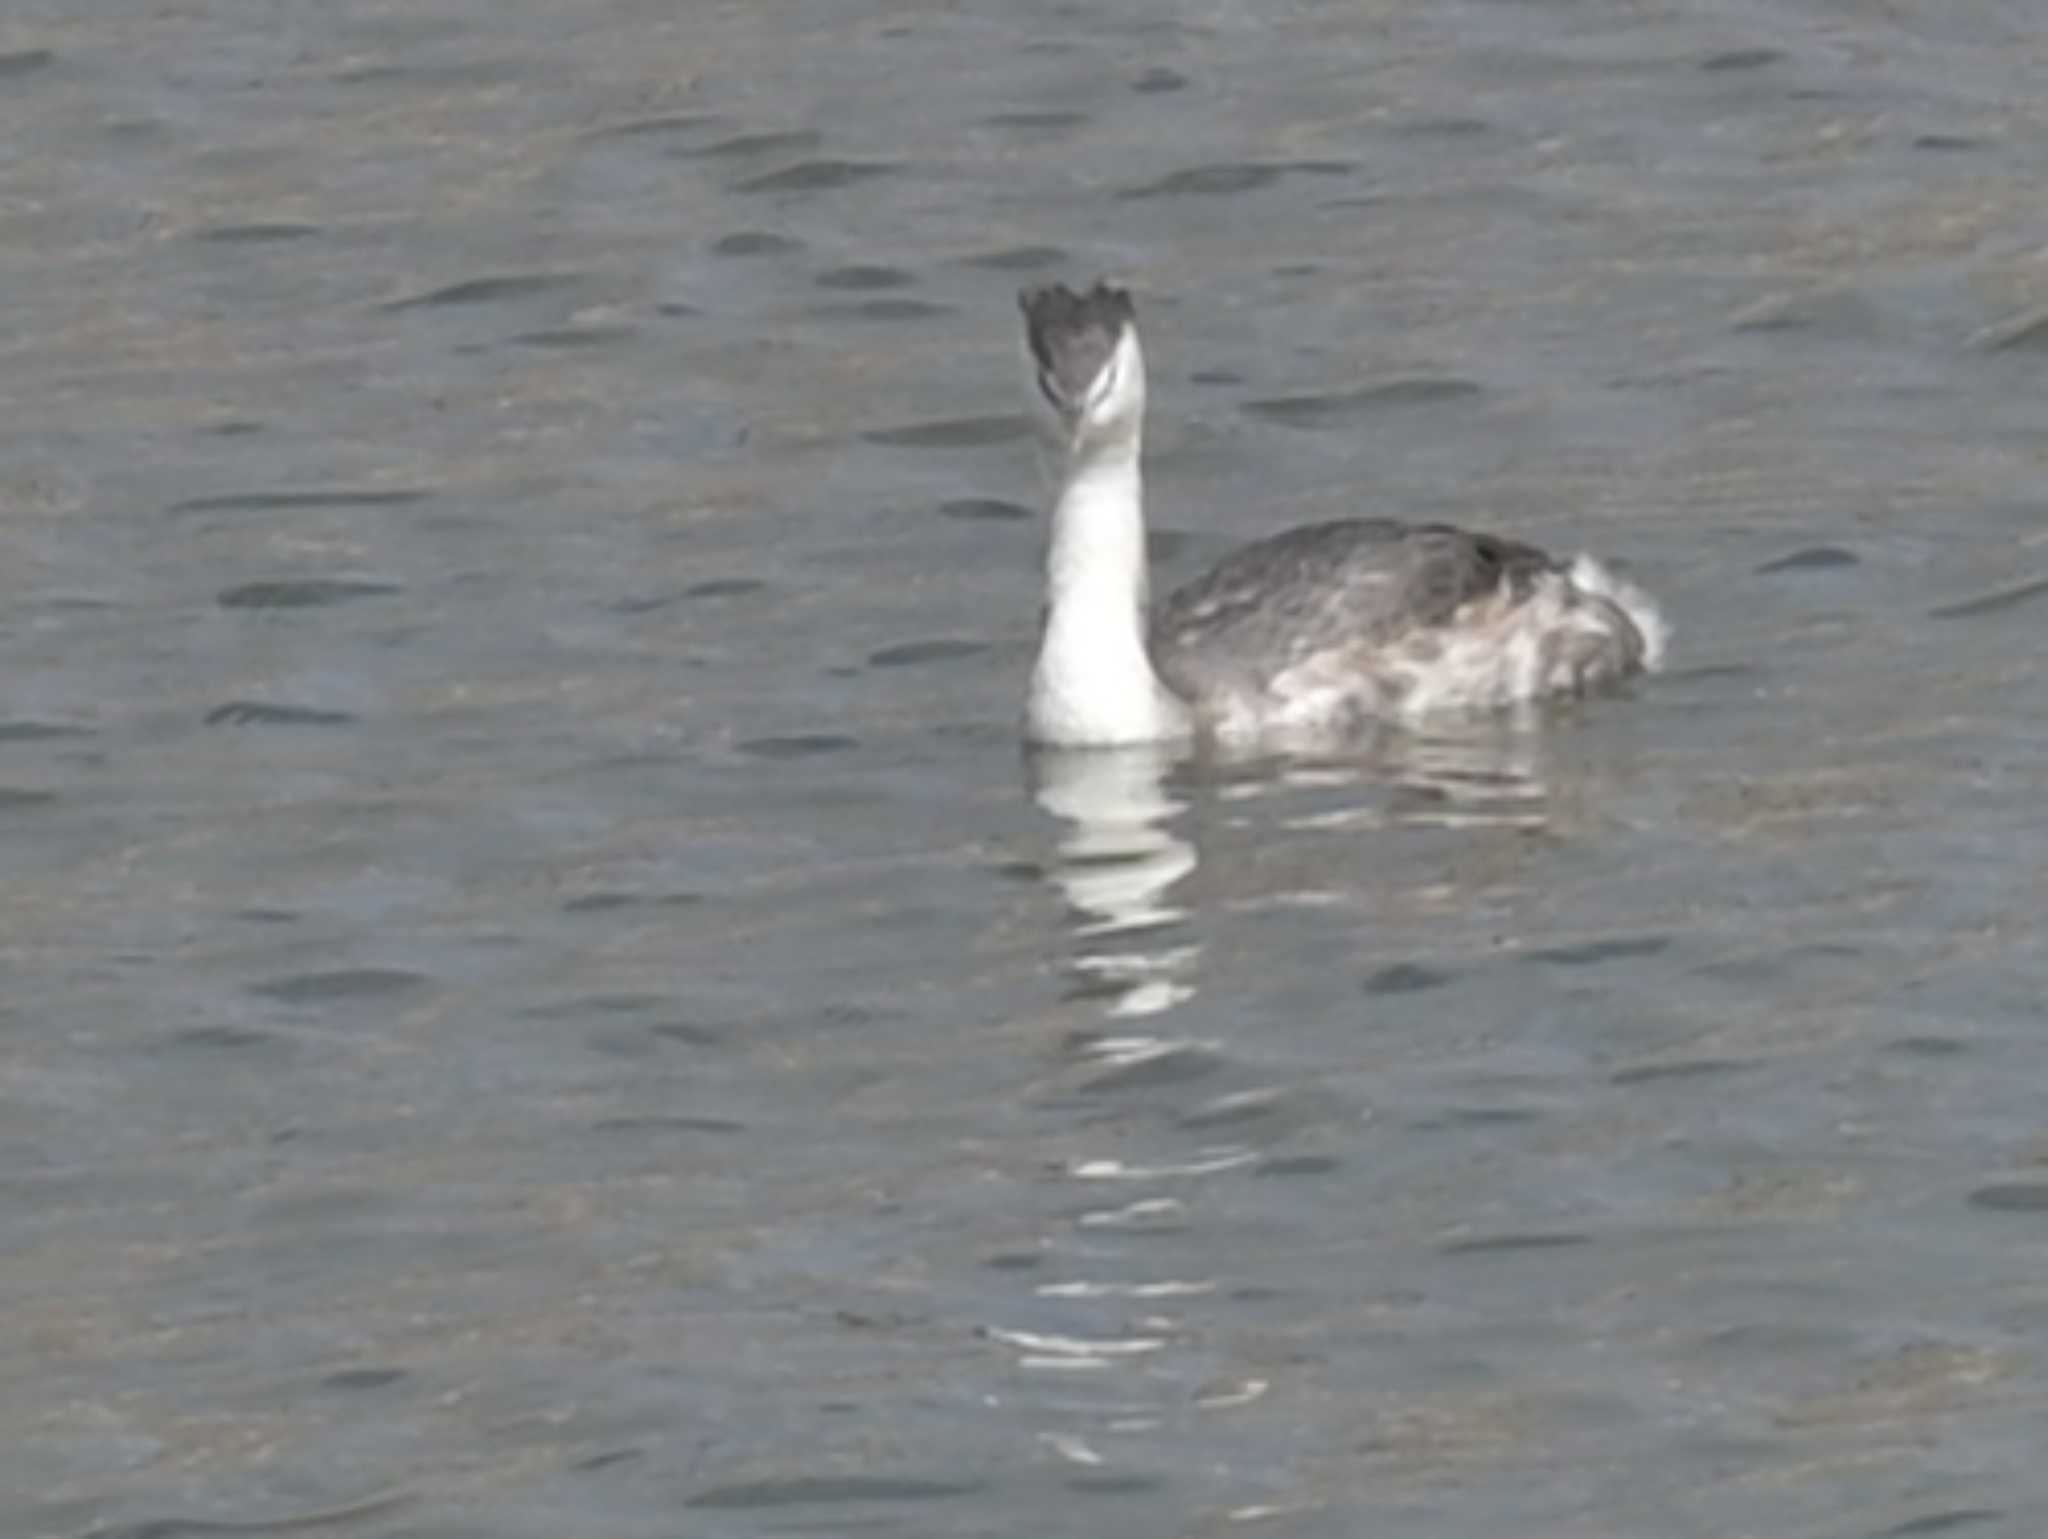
<point x="1087" y="369"/>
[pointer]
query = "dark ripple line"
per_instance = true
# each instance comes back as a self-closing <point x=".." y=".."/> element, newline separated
<point x="350" y="983"/>
<point x="814" y="176"/>
<point x="1590" y="953"/>
<point x="304" y="593"/>
<point x="1740" y="59"/>
<point x="25" y="62"/>
<point x="233" y="1528"/>
<point x="980" y="508"/>
<point x="746" y="243"/>
<point x="951" y="433"/>
<point x="760" y="144"/>
<point x="938" y="650"/>
<point x="476" y="291"/>
<point x="672" y="123"/>
<point x="802" y="1489"/>
<point x="799" y="745"/>
<point x="2012" y="1197"/>
<point x="1232" y="177"/>
<point x="1814" y="558"/>
<point x="1324" y="410"/>
<point x="1679" y="1068"/>
<point x="1494" y="1244"/>
<point x="256" y="234"/>
<point x="1940" y="1522"/>
<point x="329" y="497"/>
<point x="574" y="336"/>
<point x="260" y="713"/>
<point x="1016" y="258"/>
<point x="1990" y="603"/>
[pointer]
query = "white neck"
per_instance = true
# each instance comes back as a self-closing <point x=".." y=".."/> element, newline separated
<point x="1094" y="683"/>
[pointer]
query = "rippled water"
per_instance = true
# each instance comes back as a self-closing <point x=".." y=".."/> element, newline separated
<point x="543" y="998"/>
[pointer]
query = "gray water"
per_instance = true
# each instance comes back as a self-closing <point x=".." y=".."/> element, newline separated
<point x="542" y="998"/>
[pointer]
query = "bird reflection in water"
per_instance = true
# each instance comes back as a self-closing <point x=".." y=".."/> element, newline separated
<point x="1119" y="860"/>
<point x="1126" y="866"/>
<point x="1125" y="850"/>
<point x="1484" y="774"/>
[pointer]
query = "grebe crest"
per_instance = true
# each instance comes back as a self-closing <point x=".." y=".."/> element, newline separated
<point x="1315" y="631"/>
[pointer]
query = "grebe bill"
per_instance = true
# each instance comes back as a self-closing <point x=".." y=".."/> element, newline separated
<point x="1316" y="630"/>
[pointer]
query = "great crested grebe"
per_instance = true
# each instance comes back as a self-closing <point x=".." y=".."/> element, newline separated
<point x="1315" y="630"/>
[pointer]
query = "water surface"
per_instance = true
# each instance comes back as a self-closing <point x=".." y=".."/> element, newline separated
<point x="544" y="998"/>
